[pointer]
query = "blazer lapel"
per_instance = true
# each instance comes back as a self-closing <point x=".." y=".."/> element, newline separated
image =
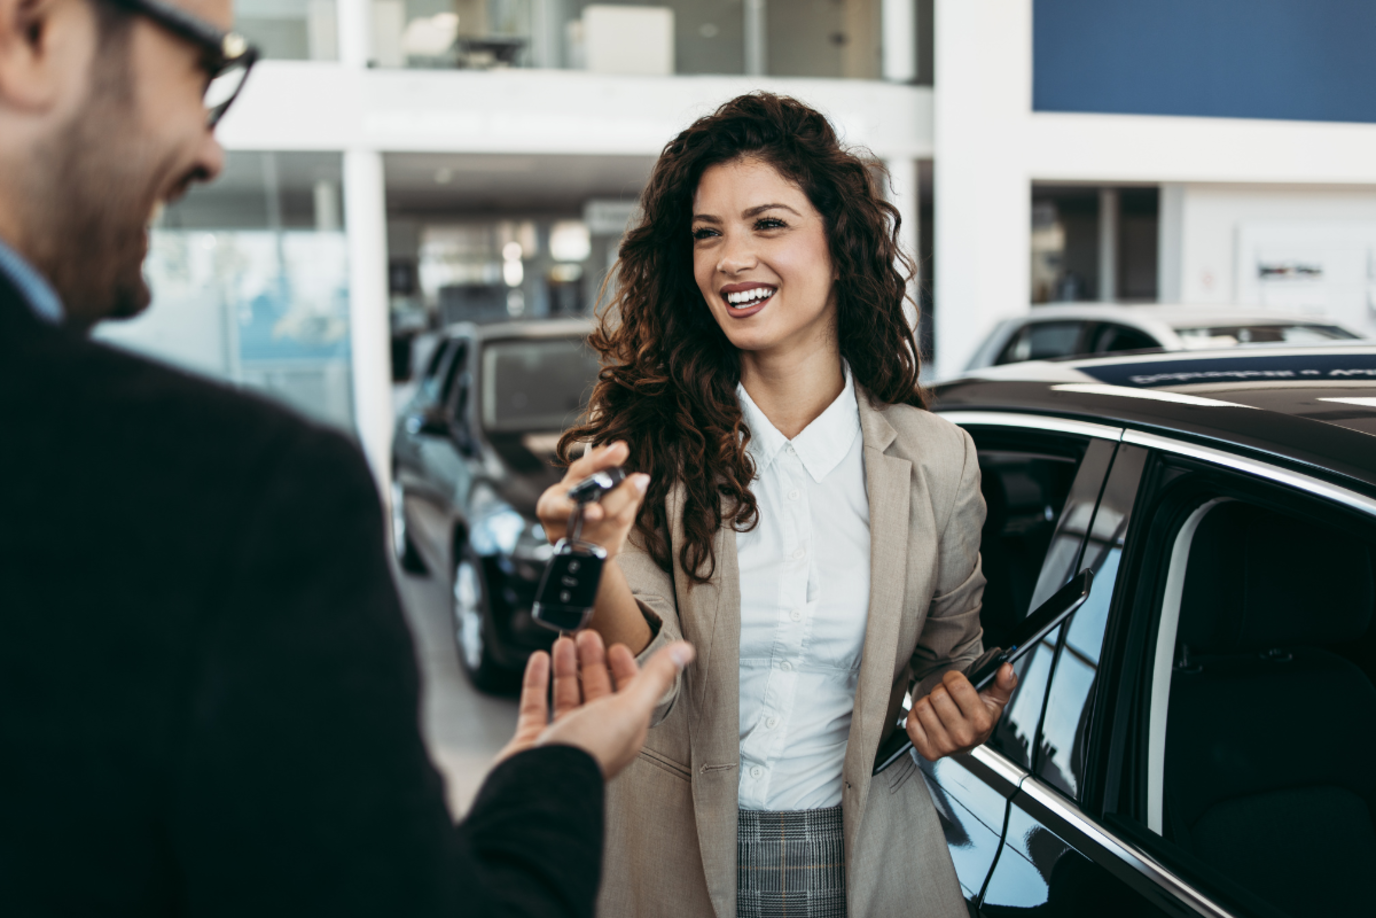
<point x="710" y="616"/>
<point x="888" y="481"/>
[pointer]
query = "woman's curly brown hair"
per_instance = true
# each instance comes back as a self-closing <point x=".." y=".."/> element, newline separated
<point x="668" y="383"/>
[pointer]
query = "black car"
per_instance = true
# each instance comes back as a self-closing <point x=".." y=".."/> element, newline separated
<point x="471" y="455"/>
<point x="1200" y="738"/>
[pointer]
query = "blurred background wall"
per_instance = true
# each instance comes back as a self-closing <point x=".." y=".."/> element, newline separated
<point x="399" y="164"/>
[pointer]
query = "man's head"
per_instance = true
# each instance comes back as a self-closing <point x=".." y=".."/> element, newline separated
<point x="102" y="120"/>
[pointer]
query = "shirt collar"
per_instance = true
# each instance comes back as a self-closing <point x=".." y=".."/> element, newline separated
<point x="822" y="444"/>
<point x="38" y="292"/>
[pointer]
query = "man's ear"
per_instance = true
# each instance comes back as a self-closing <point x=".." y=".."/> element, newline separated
<point x="39" y="44"/>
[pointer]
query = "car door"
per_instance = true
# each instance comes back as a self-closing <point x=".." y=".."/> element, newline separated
<point x="441" y="467"/>
<point x="1239" y="769"/>
<point x="1053" y="859"/>
<point x="1041" y="479"/>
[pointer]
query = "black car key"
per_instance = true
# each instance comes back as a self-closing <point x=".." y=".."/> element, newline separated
<point x="568" y="590"/>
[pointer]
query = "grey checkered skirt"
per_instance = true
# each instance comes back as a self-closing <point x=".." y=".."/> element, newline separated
<point x="790" y="864"/>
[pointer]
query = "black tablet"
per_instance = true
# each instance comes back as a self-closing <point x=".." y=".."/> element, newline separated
<point x="1029" y="633"/>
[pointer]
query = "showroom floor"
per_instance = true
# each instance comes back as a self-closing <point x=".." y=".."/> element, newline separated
<point x="463" y="728"/>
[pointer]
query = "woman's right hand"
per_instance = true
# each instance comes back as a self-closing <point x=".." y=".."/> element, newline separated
<point x="605" y="523"/>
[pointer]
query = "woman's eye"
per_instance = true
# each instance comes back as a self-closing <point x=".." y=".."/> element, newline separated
<point x="769" y="223"/>
<point x="703" y="233"/>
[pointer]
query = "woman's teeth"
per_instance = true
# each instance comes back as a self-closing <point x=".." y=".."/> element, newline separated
<point x="747" y="298"/>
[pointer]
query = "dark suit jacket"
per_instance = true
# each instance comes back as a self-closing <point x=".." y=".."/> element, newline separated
<point x="208" y="695"/>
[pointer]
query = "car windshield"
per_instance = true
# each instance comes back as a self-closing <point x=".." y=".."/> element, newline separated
<point x="1287" y="333"/>
<point x="535" y="384"/>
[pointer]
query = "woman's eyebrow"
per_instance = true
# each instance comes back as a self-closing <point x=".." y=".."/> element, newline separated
<point x="756" y="211"/>
<point x="706" y="218"/>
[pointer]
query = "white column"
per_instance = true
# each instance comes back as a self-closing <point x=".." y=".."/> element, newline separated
<point x="905" y="194"/>
<point x="355" y="31"/>
<point x="755" y="48"/>
<point x="898" y="21"/>
<point x="1108" y="245"/>
<point x="982" y="195"/>
<point x="370" y="330"/>
<point x="1170" y="244"/>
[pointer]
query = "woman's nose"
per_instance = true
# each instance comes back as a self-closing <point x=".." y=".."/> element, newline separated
<point x="737" y="256"/>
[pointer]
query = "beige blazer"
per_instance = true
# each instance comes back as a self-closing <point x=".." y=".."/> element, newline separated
<point x="671" y="816"/>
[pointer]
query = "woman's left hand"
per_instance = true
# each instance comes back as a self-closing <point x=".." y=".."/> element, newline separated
<point x="954" y="718"/>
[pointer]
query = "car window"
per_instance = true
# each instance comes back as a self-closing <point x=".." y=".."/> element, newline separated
<point x="1231" y="335"/>
<point x="535" y="385"/>
<point x="1263" y="644"/>
<point x="436" y="371"/>
<point x="1063" y="737"/>
<point x="1028" y="478"/>
<point x="1043" y="341"/>
<point x="1110" y="337"/>
<point x="458" y="365"/>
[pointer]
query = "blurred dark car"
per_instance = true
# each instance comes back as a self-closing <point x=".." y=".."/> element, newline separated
<point x="1200" y="737"/>
<point x="471" y="455"/>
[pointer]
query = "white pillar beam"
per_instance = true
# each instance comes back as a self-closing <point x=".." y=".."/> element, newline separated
<point x="898" y="21"/>
<point x="355" y="31"/>
<point x="982" y="195"/>
<point x="1108" y="245"/>
<point x="369" y="326"/>
<point x="905" y="194"/>
<point x="1170" y="244"/>
<point x="755" y="42"/>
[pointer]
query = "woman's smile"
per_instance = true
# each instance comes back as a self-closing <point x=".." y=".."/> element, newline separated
<point x="746" y="299"/>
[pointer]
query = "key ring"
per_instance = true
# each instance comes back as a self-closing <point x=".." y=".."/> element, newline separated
<point x="576" y="523"/>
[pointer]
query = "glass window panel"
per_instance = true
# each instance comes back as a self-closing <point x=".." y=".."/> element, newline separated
<point x="244" y="291"/>
<point x="298" y="30"/>
<point x="1013" y="735"/>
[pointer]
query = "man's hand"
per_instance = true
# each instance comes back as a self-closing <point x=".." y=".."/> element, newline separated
<point x="955" y="718"/>
<point x="602" y="700"/>
<point x="606" y="522"/>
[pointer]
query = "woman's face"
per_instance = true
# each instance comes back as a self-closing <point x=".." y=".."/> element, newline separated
<point x="761" y="259"/>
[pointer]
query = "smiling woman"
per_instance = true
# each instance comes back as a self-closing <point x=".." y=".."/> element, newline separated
<point x="804" y="523"/>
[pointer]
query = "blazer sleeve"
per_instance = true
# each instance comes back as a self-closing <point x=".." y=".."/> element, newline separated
<point x="653" y="589"/>
<point x="302" y="783"/>
<point x="952" y="637"/>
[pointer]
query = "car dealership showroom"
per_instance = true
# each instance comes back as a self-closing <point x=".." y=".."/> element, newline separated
<point x="1130" y="251"/>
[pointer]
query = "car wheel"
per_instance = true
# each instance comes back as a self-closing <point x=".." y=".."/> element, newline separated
<point x="471" y="627"/>
<point x="402" y="547"/>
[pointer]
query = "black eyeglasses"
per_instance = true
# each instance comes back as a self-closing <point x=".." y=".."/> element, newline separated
<point x="226" y="56"/>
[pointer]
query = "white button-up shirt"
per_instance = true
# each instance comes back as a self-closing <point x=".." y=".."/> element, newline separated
<point x="805" y="585"/>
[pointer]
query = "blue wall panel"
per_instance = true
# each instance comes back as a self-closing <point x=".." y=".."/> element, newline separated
<point x="1312" y="60"/>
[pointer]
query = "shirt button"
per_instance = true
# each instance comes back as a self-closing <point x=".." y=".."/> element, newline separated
<point x="786" y="666"/>
<point x="796" y="616"/>
<point x="771" y="723"/>
<point x="756" y="772"/>
<point x="794" y="494"/>
<point x="798" y="554"/>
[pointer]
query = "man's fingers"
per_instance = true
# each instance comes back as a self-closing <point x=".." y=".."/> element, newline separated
<point x="623" y="665"/>
<point x="534" y="710"/>
<point x="659" y="673"/>
<point x="937" y="738"/>
<point x="592" y="666"/>
<point x="567" y="695"/>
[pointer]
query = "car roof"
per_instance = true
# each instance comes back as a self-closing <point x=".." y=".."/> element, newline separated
<point x="1311" y="407"/>
<point x="1173" y="315"/>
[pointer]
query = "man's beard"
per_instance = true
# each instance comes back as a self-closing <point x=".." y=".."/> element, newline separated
<point x="90" y="207"/>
